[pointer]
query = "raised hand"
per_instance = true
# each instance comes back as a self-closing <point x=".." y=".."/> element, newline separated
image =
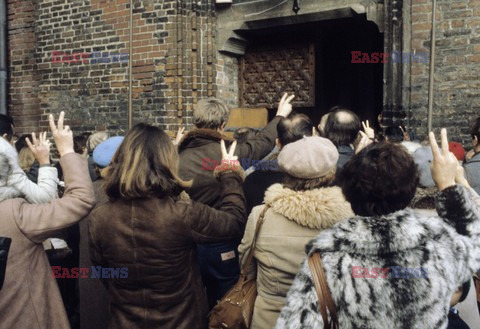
<point x="460" y="176"/>
<point x="179" y="136"/>
<point x="40" y="148"/>
<point x="230" y="155"/>
<point x="406" y="135"/>
<point x="444" y="165"/>
<point x="63" y="136"/>
<point x="284" y="107"/>
<point x="368" y="131"/>
<point x="364" y="142"/>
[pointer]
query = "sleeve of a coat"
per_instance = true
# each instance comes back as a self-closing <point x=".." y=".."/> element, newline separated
<point x="44" y="191"/>
<point x="301" y="306"/>
<point x="262" y="144"/>
<point x="459" y="206"/>
<point x="247" y="240"/>
<point x="37" y="222"/>
<point x="95" y="250"/>
<point x="225" y="223"/>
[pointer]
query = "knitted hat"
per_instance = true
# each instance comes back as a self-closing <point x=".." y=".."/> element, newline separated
<point x="423" y="157"/>
<point x="457" y="150"/>
<point x="309" y="157"/>
<point x="103" y="153"/>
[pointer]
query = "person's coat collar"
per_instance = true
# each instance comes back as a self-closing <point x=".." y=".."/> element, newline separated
<point x="317" y="209"/>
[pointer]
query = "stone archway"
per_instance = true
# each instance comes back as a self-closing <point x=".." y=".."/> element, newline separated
<point x="234" y="21"/>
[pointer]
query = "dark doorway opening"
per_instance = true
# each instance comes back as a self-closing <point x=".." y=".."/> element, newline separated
<point x="338" y="81"/>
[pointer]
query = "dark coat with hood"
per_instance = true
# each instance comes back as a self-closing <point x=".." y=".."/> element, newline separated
<point x="155" y="239"/>
<point x="204" y="144"/>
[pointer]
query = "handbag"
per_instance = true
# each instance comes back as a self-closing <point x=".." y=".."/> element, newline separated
<point x="235" y="309"/>
<point x="4" y="248"/>
<point x="325" y="301"/>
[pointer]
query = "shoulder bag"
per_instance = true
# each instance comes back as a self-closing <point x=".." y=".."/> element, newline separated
<point x="325" y="301"/>
<point x="235" y="309"/>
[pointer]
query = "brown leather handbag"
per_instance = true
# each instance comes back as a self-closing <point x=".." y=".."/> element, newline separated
<point x="235" y="309"/>
<point x="325" y="301"/>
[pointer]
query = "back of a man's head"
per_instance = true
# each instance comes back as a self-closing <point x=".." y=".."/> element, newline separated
<point x="243" y="134"/>
<point x="210" y="113"/>
<point x="293" y="128"/>
<point x="394" y="134"/>
<point x="475" y="131"/>
<point x="6" y="126"/>
<point x="342" y="126"/>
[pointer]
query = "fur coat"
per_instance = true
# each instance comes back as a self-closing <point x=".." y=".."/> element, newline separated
<point x="444" y="249"/>
<point x="14" y="182"/>
<point x="293" y="219"/>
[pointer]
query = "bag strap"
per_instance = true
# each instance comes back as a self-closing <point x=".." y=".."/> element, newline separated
<point x="325" y="301"/>
<point x="260" y="221"/>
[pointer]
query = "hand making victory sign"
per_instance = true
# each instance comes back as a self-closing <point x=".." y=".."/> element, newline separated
<point x="444" y="164"/>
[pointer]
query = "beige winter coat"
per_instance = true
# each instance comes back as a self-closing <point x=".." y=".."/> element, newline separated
<point x="294" y="218"/>
<point x="30" y="297"/>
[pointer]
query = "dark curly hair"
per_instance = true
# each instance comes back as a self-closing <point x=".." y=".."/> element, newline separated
<point x="381" y="179"/>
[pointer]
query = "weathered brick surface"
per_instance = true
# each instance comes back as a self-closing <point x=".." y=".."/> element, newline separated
<point x="175" y="62"/>
<point x="227" y="79"/>
<point x="457" y="70"/>
<point x="23" y="100"/>
<point x="173" y="58"/>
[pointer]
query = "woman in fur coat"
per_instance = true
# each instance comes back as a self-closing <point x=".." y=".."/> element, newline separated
<point x="296" y="211"/>
<point x="390" y="267"/>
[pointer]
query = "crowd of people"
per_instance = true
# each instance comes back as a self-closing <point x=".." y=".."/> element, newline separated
<point x="132" y="231"/>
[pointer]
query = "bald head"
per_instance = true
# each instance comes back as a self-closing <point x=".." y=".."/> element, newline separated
<point x="345" y="117"/>
<point x="293" y="128"/>
<point x="342" y="126"/>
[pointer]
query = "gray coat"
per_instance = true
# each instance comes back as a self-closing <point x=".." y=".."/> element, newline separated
<point x="447" y="246"/>
<point x="472" y="171"/>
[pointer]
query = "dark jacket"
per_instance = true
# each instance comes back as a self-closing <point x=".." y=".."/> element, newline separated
<point x="155" y="239"/>
<point x="257" y="183"/>
<point x="345" y="152"/>
<point x="205" y="144"/>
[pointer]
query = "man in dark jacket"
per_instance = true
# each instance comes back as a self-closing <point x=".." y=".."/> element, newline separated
<point x="342" y="128"/>
<point x="289" y="130"/>
<point x="199" y="154"/>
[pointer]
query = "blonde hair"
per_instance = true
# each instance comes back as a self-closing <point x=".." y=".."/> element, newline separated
<point x="26" y="158"/>
<point x="144" y="165"/>
<point x="95" y="139"/>
<point x="210" y="113"/>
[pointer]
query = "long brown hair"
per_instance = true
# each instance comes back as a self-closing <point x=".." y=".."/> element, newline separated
<point x="145" y="165"/>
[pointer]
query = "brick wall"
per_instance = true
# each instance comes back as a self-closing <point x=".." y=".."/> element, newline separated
<point x="173" y="61"/>
<point x="457" y="66"/>
<point x="23" y="101"/>
<point x="227" y="80"/>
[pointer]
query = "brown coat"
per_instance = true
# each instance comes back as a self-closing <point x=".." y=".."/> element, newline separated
<point x="155" y="239"/>
<point x="204" y="144"/>
<point x="30" y="297"/>
<point x="93" y="295"/>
